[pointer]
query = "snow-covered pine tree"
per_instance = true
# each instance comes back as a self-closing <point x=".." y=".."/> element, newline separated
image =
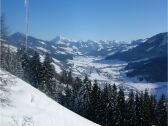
<point x="161" y="111"/>
<point x="76" y="86"/>
<point x="70" y="78"/>
<point x="153" y="103"/>
<point x="25" y="60"/>
<point x="35" y="70"/>
<point x="19" y="69"/>
<point x="138" y="108"/>
<point x="49" y="75"/>
<point x="3" y="41"/>
<point x="104" y="106"/>
<point x="94" y="104"/>
<point x="130" y="112"/>
<point x="64" y="77"/>
<point x="121" y="108"/>
<point x="84" y="97"/>
<point x="146" y="109"/>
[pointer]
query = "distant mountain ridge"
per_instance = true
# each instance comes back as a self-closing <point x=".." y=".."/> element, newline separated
<point x="147" y="61"/>
<point x="154" y="47"/>
<point x="63" y="49"/>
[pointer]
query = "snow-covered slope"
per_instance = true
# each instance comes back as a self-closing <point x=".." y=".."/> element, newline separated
<point x="23" y="105"/>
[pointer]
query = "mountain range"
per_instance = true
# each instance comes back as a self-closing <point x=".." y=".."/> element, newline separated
<point x="141" y="55"/>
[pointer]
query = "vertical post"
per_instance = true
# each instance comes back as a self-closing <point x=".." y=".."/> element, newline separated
<point x="0" y="32"/>
<point x="26" y="21"/>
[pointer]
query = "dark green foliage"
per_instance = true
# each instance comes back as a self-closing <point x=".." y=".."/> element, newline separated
<point x="94" y="104"/>
<point x="138" y="109"/>
<point x="48" y="74"/>
<point x="35" y="69"/>
<point x="130" y="112"/>
<point x="121" y="108"/>
<point x="161" y="112"/>
<point x="70" y="78"/>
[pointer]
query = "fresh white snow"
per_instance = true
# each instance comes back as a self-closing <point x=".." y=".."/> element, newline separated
<point x="42" y="49"/>
<point x="23" y="105"/>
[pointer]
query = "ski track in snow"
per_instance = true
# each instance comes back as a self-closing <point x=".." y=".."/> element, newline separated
<point x="111" y="71"/>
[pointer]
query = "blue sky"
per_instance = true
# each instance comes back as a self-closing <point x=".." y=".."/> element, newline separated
<point x="88" y="19"/>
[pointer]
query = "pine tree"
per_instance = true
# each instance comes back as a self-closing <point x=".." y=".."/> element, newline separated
<point x="76" y="86"/>
<point x="161" y="111"/>
<point x="64" y="77"/>
<point x="104" y="106"/>
<point x="138" y="109"/>
<point x="67" y="98"/>
<point x="94" y="106"/>
<point x="3" y="41"/>
<point x="19" y="68"/>
<point x="83" y="98"/>
<point x="25" y="60"/>
<point x="131" y="109"/>
<point x="70" y="78"/>
<point x="49" y="75"/>
<point x="121" y="109"/>
<point x="146" y="109"/>
<point x="153" y="104"/>
<point x="112" y="109"/>
<point x="35" y="70"/>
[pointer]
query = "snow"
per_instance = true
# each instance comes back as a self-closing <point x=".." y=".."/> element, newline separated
<point x="12" y="48"/>
<point x="42" y="57"/>
<point x="54" y="47"/>
<point x="28" y="106"/>
<point x="111" y="71"/>
<point x="55" y="60"/>
<point x="42" y="42"/>
<point x="61" y="52"/>
<point x="149" y="49"/>
<point x="42" y="49"/>
<point x="57" y="68"/>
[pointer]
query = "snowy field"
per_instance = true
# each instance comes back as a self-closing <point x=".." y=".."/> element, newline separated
<point x="111" y="71"/>
<point x="23" y="105"/>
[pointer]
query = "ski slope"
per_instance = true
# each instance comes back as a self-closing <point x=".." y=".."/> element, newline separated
<point x="23" y="105"/>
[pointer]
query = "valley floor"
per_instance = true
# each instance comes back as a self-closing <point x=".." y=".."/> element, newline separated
<point x="111" y="71"/>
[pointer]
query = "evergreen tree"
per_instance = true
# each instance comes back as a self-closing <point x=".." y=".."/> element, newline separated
<point x="146" y="109"/>
<point x="104" y="106"/>
<point x="94" y="106"/>
<point x="161" y="111"/>
<point x="84" y="98"/>
<point x="153" y="104"/>
<point x="131" y="109"/>
<point x="35" y="70"/>
<point x="67" y="98"/>
<point x="138" y="109"/>
<point x="112" y="109"/>
<point x="76" y="86"/>
<point x="49" y="76"/>
<point x="70" y="78"/>
<point x="3" y="41"/>
<point x="25" y="60"/>
<point x="121" y="109"/>
<point x="64" y="77"/>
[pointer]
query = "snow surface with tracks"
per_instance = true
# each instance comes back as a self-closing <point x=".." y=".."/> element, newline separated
<point x="23" y="105"/>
